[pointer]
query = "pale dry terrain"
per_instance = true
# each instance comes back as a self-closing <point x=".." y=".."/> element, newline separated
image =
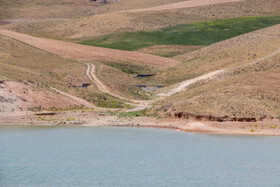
<point x="18" y="96"/>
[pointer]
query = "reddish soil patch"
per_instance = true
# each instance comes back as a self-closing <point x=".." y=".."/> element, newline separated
<point x="214" y="118"/>
<point x="19" y="96"/>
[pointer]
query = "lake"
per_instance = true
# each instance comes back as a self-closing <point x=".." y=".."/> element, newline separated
<point x="108" y="156"/>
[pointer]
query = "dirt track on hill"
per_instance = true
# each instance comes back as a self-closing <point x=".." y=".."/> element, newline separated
<point x="139" y="104"/>
<point x="189" y="82"/>
<point x="84" y="52"/>
<point x="183" y="85"/>
<point x="184" y="4"/>
<point x="103" y="88"/>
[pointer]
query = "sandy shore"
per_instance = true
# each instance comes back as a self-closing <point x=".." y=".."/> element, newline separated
<point x="94" y="119"/>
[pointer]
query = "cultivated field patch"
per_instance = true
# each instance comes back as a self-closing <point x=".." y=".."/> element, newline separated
<point x="203" y="33"/>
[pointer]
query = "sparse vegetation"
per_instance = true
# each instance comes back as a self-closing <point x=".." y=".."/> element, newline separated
<point x="133" y="114"/>
<point x="103" y="100"/>
<point x="128" y="67"/>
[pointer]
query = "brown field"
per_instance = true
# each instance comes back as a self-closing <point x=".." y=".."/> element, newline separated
<point x="82" y="52"/>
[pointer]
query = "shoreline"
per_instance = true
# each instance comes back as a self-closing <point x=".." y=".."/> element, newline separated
<point x="195" y="131"/>
<point x="89" y="119"/>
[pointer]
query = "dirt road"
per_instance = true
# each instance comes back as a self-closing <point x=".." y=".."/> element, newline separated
<point x="139" y="104"/>
<point x="103" y="88"/>
<point x="184" y="4"/>
<point x="84" y="52"/>
<point x="183" y="85"/>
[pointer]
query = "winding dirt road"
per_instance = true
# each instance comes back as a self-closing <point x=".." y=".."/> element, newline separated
<point x="84" y="52"/>
<point x="139" y="104"/>
<point x="103" y="88"/>
<point x="184" y="4"/>
<point x="143" y="104"/>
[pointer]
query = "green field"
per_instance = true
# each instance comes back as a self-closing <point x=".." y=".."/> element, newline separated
<point x="203" y="33"/>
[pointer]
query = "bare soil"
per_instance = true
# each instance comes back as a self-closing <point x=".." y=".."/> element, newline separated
<point x="83" y="52"/>
<point x="18" y="96"/>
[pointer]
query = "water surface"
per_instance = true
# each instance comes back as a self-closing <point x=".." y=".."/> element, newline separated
<point x="91" y="156"/>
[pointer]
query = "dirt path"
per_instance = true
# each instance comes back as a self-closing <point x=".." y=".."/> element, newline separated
<point x="84" y="52"/>
<point x="184" y="4"/>
<point x="139" y="104"/>
<point x="103" y="88"/>
<point x="75" y="98"/>
<point x="183" y="85"/>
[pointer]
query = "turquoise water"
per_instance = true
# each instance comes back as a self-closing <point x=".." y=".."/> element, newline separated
<point x="87" y="156"/>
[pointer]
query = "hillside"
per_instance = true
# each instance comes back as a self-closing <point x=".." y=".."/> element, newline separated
<point x="114" y="21"/>
<point x="213" y="60"/>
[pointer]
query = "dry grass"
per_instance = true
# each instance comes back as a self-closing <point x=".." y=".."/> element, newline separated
<point x="27" y="62"/>
<point x="120" y="82"/>
<point x="103" y="24"/>
<point x="252" y="91"/>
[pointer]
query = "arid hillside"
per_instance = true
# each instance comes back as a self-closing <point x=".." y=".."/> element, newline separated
<point x="195" y="58"/>
<point x="113" y="21"/>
